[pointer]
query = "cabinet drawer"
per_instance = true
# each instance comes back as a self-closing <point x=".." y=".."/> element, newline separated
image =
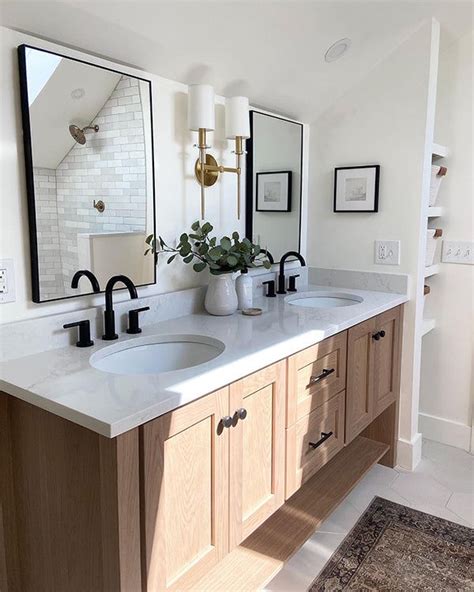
<point x="315" y="375"/>
<point x="313" y="441"/>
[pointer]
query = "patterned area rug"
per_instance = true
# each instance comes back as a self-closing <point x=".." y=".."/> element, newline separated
<point x="393" y="548"/>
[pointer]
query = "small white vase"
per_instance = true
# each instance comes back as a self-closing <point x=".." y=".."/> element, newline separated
<point x="243" y="286"/>
<point x="221" y="297"/>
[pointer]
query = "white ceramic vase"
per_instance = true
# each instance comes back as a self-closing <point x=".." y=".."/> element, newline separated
<point x="243" y="287"/>
<point x="221" y="297"/>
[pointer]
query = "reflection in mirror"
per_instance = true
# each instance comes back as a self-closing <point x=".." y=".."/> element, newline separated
<point x="89" y="160"/>
<point x="274" y="165"/>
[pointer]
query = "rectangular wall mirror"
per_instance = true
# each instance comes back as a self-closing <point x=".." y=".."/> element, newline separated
<point x="89" y="167"/>
<point x="274" y="183"/>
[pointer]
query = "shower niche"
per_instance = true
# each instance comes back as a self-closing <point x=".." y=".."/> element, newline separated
<point x="89" y="169"/>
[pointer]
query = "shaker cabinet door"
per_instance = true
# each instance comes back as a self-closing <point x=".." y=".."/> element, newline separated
<point x="257" y="450"/>
<point x="360" y="378"/>
<point x="185" y="470"/>
<point x="387" y="360"/>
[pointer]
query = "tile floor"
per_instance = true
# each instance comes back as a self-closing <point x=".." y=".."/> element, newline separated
<point x="442" y="484"/>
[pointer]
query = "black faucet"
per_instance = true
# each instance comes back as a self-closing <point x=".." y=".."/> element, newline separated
<point x="109" y="314"/>
<point x="89" y="275"/>
<point x="281" y="275"/>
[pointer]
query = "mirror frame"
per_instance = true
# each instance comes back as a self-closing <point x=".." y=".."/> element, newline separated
<point x="249" y="176"/>
<point x="30" y="190"/>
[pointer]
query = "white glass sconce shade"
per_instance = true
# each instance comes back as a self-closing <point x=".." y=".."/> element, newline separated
<point x="237" y="121"/>
<point x="201" y="107"/>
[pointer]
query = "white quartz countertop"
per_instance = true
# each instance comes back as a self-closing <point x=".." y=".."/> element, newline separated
<point x="63" y="382"/>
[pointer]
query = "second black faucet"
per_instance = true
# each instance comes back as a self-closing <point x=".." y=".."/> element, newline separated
<point x="109" y="314"/>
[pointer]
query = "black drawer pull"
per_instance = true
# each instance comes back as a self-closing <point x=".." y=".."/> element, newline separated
<point x="324" y="437"/>
<point x="324" y="374"/>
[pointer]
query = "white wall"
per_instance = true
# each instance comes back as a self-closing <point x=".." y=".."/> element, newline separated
<point x="447" y="394"/>
<point x="177" y="192"/>
<point x="382" y="120"/>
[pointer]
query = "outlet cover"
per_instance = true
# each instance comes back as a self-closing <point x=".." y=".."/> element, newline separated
<point x="458" y="252"/>
<point x="387" y="252"/>
<point x="7" y="281"/>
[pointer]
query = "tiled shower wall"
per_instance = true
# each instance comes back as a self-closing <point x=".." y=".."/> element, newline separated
<point x="47" y="229"/>
<point x="109" y="167"/>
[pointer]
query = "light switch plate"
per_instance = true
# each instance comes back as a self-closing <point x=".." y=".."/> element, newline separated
<point x="387" y="252"/>
<point x="458" y="252"/>
<point x="7" y="281"/>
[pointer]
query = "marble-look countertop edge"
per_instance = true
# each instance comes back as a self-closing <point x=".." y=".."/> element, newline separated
<point x="215" y="378"/>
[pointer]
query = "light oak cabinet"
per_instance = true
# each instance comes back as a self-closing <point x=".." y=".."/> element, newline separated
<point x="257" y="450"/>
<point x="208" y="486"/>
<point x="373" y="369"/>
<point x="167" y="505"/>
<point x="185" y="492"/>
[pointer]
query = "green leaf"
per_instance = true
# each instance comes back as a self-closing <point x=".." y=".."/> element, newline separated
<point x="215" y="253"/>
<point x="171" y="259"/>
<point x="256" y="249"/>
<point x="148" y="239"/>
<point x="235" y="236"/>
<point x="225" y="243"/>
<point x="207" y="228"/>
<point x="189" y="258"/>
<point x="203" y="248"/>
<point x="213" y="241"/>
<point x="147" y="251"/>
<point x="185" y="249"/>
<point x="199" y="266"/>
<point x="195" y="225"/>
<point x="195" y="236"/>
<point x="232" y="261"/>
<point x="267" y="264"/>
<point x="183" y="238"/>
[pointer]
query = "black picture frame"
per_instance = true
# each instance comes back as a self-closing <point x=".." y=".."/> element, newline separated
<point x="250" y="175"/>
<point x="28" y="154"/>
<point x="374" y="199"/>
<point x="284" y="174"/>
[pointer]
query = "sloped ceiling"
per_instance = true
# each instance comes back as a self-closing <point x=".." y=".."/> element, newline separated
<point x="272" y="51"/>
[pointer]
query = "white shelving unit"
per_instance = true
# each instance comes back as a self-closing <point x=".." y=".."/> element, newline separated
<point x="427" y="326"/>
<point x="439" y="151"/>
<point x="435" y="212"/>
<point x="431" y="270"/>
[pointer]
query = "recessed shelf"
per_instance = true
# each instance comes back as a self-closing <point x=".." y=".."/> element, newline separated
<point x="431" y="270"/>
<point x="435" y="212"/>
<point x="439" y="151"/>
<point x="427" y="326"/>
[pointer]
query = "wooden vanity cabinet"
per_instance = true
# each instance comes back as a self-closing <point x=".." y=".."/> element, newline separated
<point x="373" y="369"/>
<point x="206" y="487"/>
<point x="185" y="502"/>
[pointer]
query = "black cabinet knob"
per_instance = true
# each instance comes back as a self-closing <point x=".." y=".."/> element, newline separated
<point x="271" y="288"/>
<point x="376" y="336"/>
<point x="241" y="413"/>
<point x="227" y="421"/>
<point x="292" y="283"/>
<point x="133" y="325"/>
<point x="84" y="332"/>
<point x="382" y="333"/>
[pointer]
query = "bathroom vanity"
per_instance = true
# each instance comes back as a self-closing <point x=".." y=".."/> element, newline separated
<point x="208" y="478"/>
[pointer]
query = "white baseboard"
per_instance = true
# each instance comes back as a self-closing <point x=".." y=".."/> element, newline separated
<point x="409" y="452"/>
<point x="445" y="431"/>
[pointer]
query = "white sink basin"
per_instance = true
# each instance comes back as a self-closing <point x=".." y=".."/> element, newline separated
<point x="156" y="354"/>
<point x="323" y="299"/>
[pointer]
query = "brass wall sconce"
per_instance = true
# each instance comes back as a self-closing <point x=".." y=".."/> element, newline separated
<point x="201" y="119"/>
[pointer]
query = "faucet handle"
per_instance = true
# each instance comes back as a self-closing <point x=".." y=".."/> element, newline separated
<point x="292" y="283"/>
<point x="84" y="332"/>
<point x="133" y="326"/>
<point x="271" y="288"/>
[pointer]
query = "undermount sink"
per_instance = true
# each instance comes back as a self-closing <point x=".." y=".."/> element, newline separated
<point x="323" y="299"/>
<point x="156" y="354"/>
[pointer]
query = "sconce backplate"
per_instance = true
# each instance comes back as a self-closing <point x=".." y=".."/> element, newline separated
<point x="210" y="177"/>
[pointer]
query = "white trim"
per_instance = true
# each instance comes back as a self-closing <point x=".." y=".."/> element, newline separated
<point x="409" y="453"/>
<point x="446" y="431"/>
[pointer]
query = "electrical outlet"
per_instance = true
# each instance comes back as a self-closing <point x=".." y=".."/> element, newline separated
<point x="7" y="281"/>
<point x="387" y="252"/>
<point x="458" y="252"/>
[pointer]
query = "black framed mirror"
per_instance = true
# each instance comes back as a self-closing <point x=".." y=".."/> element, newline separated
<point x="274" y="183"/>
<point x="90" y="172"/>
